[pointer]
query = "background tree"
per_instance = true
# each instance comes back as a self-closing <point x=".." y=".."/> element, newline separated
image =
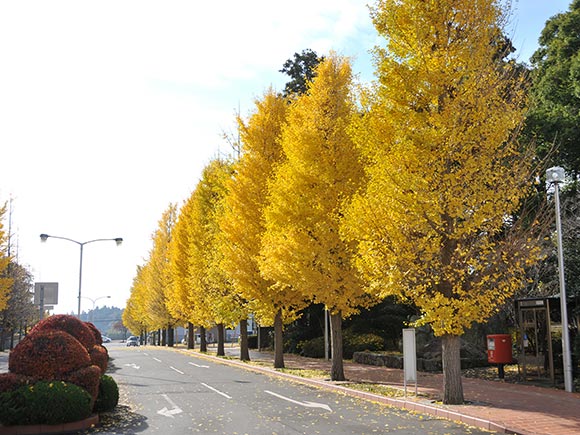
<point x="301" y="69"/>
<point x="301" y="247"/>
<point x="19" y="310"/>
<point x="445" y="171"/>
<point x="5" y="280"/>
<point x="554" y="116"/>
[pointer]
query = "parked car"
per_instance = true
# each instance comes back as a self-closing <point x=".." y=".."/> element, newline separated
<point x="105" y="339"/>
<point x="133" y="341"/>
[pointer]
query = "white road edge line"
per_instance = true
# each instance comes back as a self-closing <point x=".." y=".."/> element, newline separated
<point x="216" y="391"/>
<point x="305" y="404"/>
<point x="178" y="371"/>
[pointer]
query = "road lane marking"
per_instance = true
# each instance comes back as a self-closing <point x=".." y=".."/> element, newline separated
<point x="305" y="404"/>
<point x="133" y="365"/>
<point x="170" y="412"/>
<point x="178" y="371"/>
<point x="197" y="365"/>
<point x="216" y="391"/>
<point x="158" y="360"/>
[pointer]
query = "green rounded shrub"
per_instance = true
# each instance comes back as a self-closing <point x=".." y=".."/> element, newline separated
<point x="108" y="395"/>
<point x="313" y="348"/>
<point x="352" y="343"/>
<point x="45" y="402"/>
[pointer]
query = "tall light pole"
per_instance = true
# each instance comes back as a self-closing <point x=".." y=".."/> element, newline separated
<point x="555" y="176"/>
<point x="94" y="301"/>
<point x="117" y="240"/>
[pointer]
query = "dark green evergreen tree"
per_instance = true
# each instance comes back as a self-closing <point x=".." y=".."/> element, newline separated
<point x="301" y="71"/>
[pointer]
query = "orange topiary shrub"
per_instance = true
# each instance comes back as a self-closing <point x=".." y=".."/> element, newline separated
<point x="11" y="381"/>
<point x="60" y="348"/>
<point x="70" y="324"/>
<point x="48" y="354"/>
<point x="87" y="378"/>
<point x="100" y="357"/>
<point x="96" y="332"/>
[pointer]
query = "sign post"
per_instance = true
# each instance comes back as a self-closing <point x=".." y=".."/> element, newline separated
<point x="409" y="358"/>
<point x="45" y="293"/>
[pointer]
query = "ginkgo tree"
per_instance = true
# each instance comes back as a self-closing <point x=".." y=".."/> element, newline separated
<point x="301" y="245"/>
<point x="243" y="225"/>
<point x="435" y="223"/>
<point x="212" y="295"/>
<point x="157" y="276"/>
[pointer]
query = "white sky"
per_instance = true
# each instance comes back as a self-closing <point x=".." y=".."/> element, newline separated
<point x="109" y="111"/>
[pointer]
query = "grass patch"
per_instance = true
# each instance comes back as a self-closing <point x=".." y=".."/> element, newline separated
<point x="305" y="373"/>
<point x="379" y="389"/>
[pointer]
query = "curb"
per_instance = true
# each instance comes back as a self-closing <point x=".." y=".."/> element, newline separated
<point x="36" y="429"/>
<point x="395" y="403"/>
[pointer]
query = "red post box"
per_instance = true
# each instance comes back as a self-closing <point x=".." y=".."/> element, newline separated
<point x="499" y="349"/>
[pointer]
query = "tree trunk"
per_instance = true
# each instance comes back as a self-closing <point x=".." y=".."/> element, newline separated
<point x="451" y="358"/>
<point x="278" y="341"/>
<point x="337" y="369"/>
<point x="221" y="351"/>
<point x="244" y="349"/>
<point x="170" y="336"/>
<point x="190" y="336"/>
<point x="164" y="337"/>
<point x="202" y="340"/>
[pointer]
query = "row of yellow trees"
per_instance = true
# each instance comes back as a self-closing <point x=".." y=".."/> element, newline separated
<point x="408" y="187"/>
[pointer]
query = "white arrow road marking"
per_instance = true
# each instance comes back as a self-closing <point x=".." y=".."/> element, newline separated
<point x="306" y="404"/>
<point x="170" y="412"/>
<point x="133" y="365"/>
<point x="197" y="365"/>
<point x="216" y="391"/>
<point x="158" y="360"/>
<point x="178" y="371"/>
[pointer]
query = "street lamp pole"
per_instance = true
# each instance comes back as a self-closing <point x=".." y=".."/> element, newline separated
<point x="555" y="176"/>
<point x="94" y="302"/>
<point x="117" y="240"/>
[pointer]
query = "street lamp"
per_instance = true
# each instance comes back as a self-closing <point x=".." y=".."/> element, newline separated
<point x="555" y="176"/>
<point x="117" y="240"/>
<point x="94" y="301"/>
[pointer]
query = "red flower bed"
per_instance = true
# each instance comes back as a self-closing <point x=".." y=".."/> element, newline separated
<point x="70" y="324"/>
<point x="48" y="354"/>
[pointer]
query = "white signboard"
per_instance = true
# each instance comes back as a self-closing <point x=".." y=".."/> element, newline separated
<point x="47" y="291"/>
<point x="409" y="357"/>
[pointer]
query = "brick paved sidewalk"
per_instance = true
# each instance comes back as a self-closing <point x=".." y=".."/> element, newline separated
<point x="510" y="408"/>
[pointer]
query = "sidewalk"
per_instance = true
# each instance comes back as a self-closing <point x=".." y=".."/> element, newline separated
<point x="502" y="407"/>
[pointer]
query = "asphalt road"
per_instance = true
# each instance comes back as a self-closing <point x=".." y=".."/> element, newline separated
<point x="169" y="392"/>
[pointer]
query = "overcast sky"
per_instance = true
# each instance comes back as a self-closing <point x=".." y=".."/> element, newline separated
<point x="109" y="111"/>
